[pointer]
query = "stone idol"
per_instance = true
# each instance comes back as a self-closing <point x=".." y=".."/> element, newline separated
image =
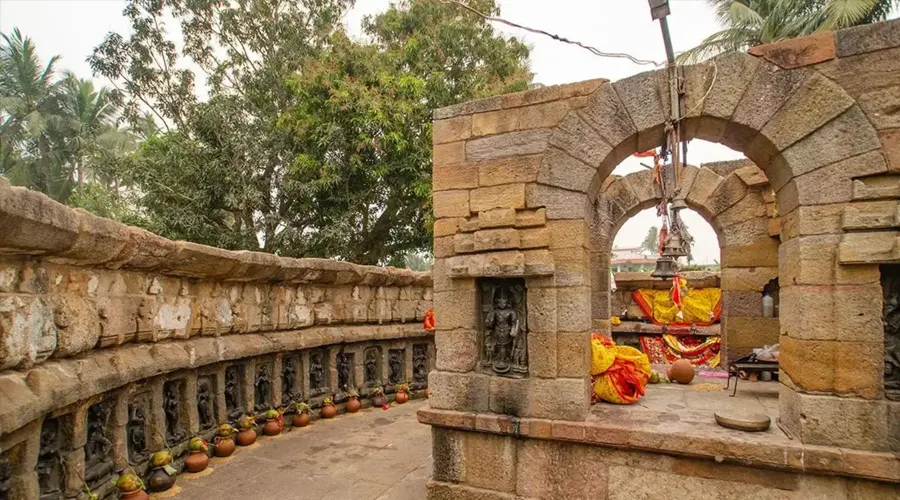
<point x="503" y="330"/>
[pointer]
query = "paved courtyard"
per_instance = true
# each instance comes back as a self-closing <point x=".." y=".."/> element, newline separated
<point x="374" y="454"/>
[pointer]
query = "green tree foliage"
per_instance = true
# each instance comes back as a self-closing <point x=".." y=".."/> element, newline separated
<point x="747" y="23"/>
<point x="651" y="241"/>
<point x="309" y="143"/>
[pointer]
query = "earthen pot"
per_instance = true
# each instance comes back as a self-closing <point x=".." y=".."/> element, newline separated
<point x="379" y="400"/>
<point x="272" y="427"/>
<point x="246" y="437"/>
<point x="328" y="411"/>
<point x="301" y="419"/>
<point x="160" y="480"/>
<point x="681" y="371"/>
<point x="401" y="397"/>
<point x="135" y="495"/>
<point x="224" y="446"/>
<point x="196" y="461"/>
<point x="353" y="405"/>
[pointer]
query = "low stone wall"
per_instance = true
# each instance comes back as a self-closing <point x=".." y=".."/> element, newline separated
<point x="116" y="343"/>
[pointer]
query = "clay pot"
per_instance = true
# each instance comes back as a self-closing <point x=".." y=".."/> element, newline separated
<point x="135" y="495"/>
<point x="246" y="437"/>
<point x="379" y="400"/>
<point x="401" y="397"/>
<point x="328" y="411"/>
<point x="160" y="480"/>
<point x="301" y="419"/>
<point x="681" y="371"/>
<point x="272" y="427"/>
<point x="224" y="446"/>
<point x="196" y="461"/>
<point x="353" y="405"/>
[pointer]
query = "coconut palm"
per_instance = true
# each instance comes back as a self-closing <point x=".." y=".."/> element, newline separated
<point x="755" y="22"/>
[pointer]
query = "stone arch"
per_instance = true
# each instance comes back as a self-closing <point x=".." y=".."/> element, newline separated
<point x="750" y="211"/>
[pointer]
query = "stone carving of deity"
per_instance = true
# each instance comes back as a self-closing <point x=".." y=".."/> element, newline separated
<point x="172" y="409"/>
<point x="288" y="374"/>
<point x="890" y="283"/>
<point x="49" y="467"/>
<point x="232" y="393"/>
<point x="371" y="365"/>
<point x="343" y="370"/>
<point x="137" y="429"/>
<point x="505" y="347"/>
<point x="263" y="389"/>
<point x="420" y="363"/>
<point x="204" y="404"/>
<point x="395" y="366"/>
<point x="316" y="372"/>
<point x="98" y="462"/>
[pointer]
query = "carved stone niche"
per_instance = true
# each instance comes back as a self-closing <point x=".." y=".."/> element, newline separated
<point x="138" y="428"/>
<point x="49" y="467"/>
<point x="173" y="408"/>
<point x="890" y="286"/>
<point x="396" y="366"/>
<point x="206" y="401"/>
<point x="318" y="372"/>
<point x="6" y="476"/>
<point x="98" y="462"/>
<point x="290" y="379"/>
<point x="503" y="333"/>
<point x="420" y="365"/>
<point x="234" y="381"/>
<point x="344" y="365"/>
<point x="372" y="366"/>
<point x="262" y="385"/>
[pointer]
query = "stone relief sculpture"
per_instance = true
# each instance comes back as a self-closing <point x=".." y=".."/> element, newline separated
<point x="6" y="473"/>
<point x="316" y="373"/>
<point x="344" y="369"/>
<point x="505" y="349"/>
<point x="233" y="392"/>
<point x="288" y="376"/>
<point x="172" y="409"/>
<point x="137" y="433"/>
<point x="371" y="366"/>
<point x="97" y="460"/>
<point x="420" y="362"/>
<point x="263" y="394"/>
<point x="49" y="467"/>
<point x="395" y="366"/>
<point x="204" y="403"/>
<point x="890" y="284"/>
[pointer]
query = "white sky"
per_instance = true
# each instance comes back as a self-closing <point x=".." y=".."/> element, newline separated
<point x="71" y="28"/>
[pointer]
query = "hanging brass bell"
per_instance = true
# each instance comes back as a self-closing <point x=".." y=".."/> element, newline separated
<point x="666" y="268"/>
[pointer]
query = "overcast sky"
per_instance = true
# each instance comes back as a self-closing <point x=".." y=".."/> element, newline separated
<point x="71" y="28"/>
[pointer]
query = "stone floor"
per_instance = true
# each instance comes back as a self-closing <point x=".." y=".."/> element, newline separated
<point x="374" y="454"/>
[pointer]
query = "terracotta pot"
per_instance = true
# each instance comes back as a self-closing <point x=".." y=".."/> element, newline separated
<point x="379" y="400"/>
<point x="328" y="411"/>
<point x="681" y="371"/>
<point x="301" y="419"/>
<point x="160" y="480"/>
<point x="272" y="428"/>
<point x="353" y="405"/>
<point x="401" y="397"/>
<point x="224" y="446"/>
<point x="196" y="461"/>
<point x="246" y="437"/>
<point x="135" y="495"/>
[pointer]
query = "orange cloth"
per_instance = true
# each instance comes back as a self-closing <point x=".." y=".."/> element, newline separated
<point x="620" y="373"/>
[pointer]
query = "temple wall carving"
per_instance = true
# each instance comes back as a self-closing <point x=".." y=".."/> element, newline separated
<point x="116" y="343"/>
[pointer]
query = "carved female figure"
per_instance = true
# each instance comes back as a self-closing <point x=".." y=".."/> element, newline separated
<point x="204" y="407"/>
<point x="263" y="401"/>
<point x="137" y="439"/>
<point x="501" y="330"/>
<point x="316" y="372"/>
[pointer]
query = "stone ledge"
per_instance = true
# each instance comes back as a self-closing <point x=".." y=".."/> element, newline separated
<point x="25" y="396"/>
<point x="750" y="450"/>
<point x="518" y="99"/>
<point x="33" y="224"/>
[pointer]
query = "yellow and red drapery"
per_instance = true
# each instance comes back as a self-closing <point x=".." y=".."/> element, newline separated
<point x="669" y="348"/>
<point x="619" y="373"/>
<point x="680" y="306"/>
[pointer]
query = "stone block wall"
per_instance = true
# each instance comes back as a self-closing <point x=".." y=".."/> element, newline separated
<point x="116" y="343"/>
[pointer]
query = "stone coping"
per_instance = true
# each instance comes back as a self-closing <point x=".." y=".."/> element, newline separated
<point x="33" y="224"/>
<point x="633" y="280"/>
<point x="27" y="395"/>
<point x="518" y="99"/>
<point x="772" y="451"/>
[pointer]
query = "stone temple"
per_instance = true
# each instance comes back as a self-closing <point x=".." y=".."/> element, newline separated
<point x="116" y="343"/>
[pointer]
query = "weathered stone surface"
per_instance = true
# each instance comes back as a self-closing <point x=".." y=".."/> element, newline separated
<point x="543" y="115"/>
<point x="452" y="129"/>
<point x="506" y="145"/>
<point x="559" y="203"/>
<point x="761" y="252"/>
<point x="449" y="154"/>
<point x="458" y="176"/>
<point x="735" y="72"/>
<point x="32" y="223"/>
<point x="890" y="141"/>
<point x="833" y="421"/>
<point x="464" y="243"/>
<point x="704" y="185"/>
<point x="876" y="187"/>
<point x="446" y="227"/>
<point x="509" y="170"/>
<point x="869" y="248"/>
<point x="830" y="184"/>
<point x="747" y="279"/>
<point x="730" y="191"/>
<point x="457" y="350"/>
<point x="459" y="391"/>
<point x="505" y="196"/>
<point x="798" y="52"/>
<point x="531" y="218"/>
<point x="606" y="114"/>
<point x="767" y="92"/>
<point x="559" y="169"/>
<point x="813" y="260"/>
<point x="579" y="140"/>
<point x="871" y="215"/>
<point x="643" y="97"/>
<point x="496" y="239"/>
<point x="867" y="38"/>
<point x="451" y="204"/>
<point x="881" y="106"/>
<point x="495" y="122"/>
<point x="538" y="237"/>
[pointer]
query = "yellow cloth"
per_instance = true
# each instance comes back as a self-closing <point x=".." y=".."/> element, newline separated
<point x="700" y="305"/>
<point x="620" y="372"/>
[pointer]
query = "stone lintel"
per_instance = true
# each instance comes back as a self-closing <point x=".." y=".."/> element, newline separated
<point x="749" y="450"/>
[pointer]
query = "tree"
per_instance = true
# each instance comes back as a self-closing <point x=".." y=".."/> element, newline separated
<point x="748" y="23"/>
<point x="310" y="143"/>
<point x="651" y="241"/>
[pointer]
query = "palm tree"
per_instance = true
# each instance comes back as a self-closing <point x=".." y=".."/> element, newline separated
<point x="748" y="23"/>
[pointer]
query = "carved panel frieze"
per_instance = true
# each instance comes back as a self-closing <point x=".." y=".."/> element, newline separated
<point x="98" y="463"/>
<point x="318" y="372"/>
<point x="503" y="332"/>
<point x="206" y="402"/>
<point x="290" y="388"/>
<point x="396" y="361"/>
<point x="173" y="408"/>
<point x="49" y="467"/>
<point x="344" y="370"/>
<point x="6" y="476"/>
<point x="262" y="384"/>
<point x="420" y="362"/>
<point x="890" y="285"/>
<point x="371" y="366"/>
<point x="137" y="429"/>
<point x="233" y="388"/>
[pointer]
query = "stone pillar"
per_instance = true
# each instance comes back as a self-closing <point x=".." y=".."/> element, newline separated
<point x="156" y="440"/>
<point x="220" y="406"/>
<point x="74" y="437"/>
<point x="118" y="420"/>
<point x="189" y="403"/>
<point x="276" y="380"/>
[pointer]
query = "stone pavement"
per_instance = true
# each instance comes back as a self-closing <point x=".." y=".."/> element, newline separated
<point x="374" y="454"/>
